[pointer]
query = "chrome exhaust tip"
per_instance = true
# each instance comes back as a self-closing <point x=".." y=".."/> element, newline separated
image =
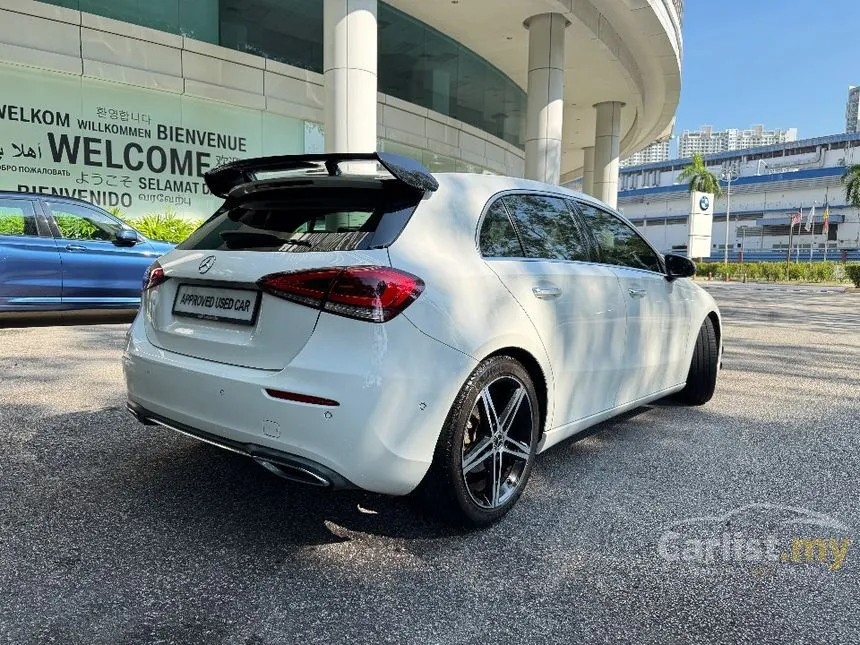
<point x="294" y="473"/>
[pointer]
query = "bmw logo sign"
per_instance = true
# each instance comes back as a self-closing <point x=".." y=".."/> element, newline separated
<point x="704" y="203"/>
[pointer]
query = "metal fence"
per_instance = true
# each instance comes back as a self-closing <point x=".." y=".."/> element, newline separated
<point x="798" y="256"/>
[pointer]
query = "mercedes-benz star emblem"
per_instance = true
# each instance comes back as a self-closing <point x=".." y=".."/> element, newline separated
<point x="206" y="263"/>
<point x="704" y="203"/>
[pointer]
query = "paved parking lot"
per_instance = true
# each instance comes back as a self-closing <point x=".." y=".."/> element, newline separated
<point x="111" y="532"/>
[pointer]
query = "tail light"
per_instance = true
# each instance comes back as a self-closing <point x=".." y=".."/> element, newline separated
<point x="372" y="293"/>
<point x="153" y="276"/>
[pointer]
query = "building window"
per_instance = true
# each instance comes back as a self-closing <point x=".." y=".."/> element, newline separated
<point x="416" y="63"/>
<point x="423" y="66"/>
<point x="288" y="31"/>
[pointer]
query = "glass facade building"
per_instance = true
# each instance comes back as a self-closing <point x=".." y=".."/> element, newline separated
<point x="416" y="63"/>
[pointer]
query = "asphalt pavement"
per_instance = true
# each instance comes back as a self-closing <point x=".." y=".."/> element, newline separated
<point x="641" y="532"/>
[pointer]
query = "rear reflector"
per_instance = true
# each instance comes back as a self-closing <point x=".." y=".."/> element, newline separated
<point x="371" y="293"/>
<point x="153" y="276"/>
<point x="301" y="398"/>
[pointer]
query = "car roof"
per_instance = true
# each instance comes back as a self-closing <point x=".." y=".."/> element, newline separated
<point x="488" y="185"/>
<point x="13" y="194"/>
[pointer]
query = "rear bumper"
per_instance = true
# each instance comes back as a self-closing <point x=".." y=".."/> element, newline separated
<point x="292" y="467"/>
<point x="394" y="386"/>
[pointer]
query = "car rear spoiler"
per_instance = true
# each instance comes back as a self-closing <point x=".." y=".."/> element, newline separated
<point x="223" y="179"/>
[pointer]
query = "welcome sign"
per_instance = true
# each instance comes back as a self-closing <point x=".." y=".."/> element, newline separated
<point x="138" y="150"/>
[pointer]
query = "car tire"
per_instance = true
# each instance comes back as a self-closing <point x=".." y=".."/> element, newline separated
<point x="480" y="467"/>
<point x="702" y="378"/>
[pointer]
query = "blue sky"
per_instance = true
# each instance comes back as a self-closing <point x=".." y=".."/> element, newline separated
<point x="782" y="63"/>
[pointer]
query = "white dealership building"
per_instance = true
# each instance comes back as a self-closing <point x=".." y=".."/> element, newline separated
<point x="127" y="103"/>
<point x="770" y="185"/>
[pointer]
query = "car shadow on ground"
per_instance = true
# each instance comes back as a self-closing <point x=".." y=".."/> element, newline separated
<point x="154" y="477"/>
<point x="66" y="318"/>
<point x="103" y="488"/>
<point x="161" y="482"/>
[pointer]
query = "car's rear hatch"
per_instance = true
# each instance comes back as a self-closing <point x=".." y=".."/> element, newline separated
<point x="209" y="304"/>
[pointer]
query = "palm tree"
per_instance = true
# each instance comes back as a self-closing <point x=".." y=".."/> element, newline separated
<point x="851" y="181"/>
<point x="700" y="178"/>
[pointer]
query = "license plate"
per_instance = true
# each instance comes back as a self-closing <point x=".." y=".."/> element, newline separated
<point x="217" y="303"/>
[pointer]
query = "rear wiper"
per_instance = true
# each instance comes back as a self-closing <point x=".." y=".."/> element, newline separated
<point x="246" y="239"/>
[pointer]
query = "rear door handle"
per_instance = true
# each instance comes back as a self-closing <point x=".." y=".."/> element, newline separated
<point x="637" y="293"/>
<point x="546" y="293"/>
<point x="75" y="247"/>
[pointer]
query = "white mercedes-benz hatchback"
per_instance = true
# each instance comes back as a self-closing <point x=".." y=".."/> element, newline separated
<point x="396" y="331"/>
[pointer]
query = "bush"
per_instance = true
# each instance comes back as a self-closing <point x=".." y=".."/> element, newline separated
<point x="165" y="227"/>
<point x="796" y="271"/>
<point x="11" y="224"/>
<point x="73" y="227"/>
<point x="705" y="268"/>
<point x="822" y="272"/>
<point x="734" y="271"/>
<point x="839" y="274"/>
<point x="774" y="271"/>
<point x="753" y="271"/>
<point x="853" y="273"/>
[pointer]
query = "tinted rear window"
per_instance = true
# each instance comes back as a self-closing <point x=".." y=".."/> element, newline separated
<point x="498" y="237"/>
<point x="547" y="228"/>
<point x="309" y="218"/>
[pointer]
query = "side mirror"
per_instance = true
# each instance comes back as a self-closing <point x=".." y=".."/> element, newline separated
<point x="125" y="237"/>
<point x="677" y="266"/>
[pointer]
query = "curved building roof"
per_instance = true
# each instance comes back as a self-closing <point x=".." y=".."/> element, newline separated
<point x="615" y="50"/>
<point x="466" y="59"/>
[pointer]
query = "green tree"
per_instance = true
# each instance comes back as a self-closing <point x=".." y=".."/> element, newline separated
<point x="851" y="181"/>
<point x="699" y="178"/>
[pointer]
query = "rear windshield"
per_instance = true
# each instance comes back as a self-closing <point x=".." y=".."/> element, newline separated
<point x="309" y="218"/>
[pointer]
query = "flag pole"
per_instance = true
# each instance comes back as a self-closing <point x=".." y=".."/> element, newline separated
<point x="811" y="231"/>
<point x="826" y="218"/>
<point x="797" y="245"/>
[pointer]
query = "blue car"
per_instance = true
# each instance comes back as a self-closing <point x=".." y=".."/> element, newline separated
<point x="58" y="253"/>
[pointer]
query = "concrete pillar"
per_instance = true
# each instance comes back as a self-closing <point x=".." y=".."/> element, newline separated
<point x="607" y="143"/>
<point x="588" y="171"/>
<point x="545" y="107"/>
<point x="349" y="68"/>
